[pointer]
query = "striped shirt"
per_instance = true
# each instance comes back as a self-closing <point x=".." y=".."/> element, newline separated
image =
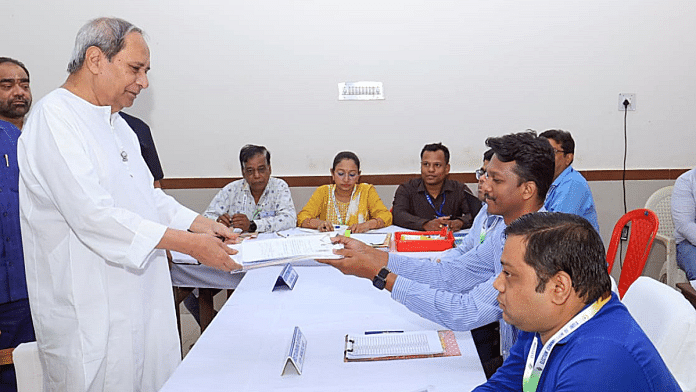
<point x="456" y="292"/>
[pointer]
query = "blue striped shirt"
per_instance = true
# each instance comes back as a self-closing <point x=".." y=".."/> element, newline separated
<point x="456" y="292"/>
<point x="483" y="224"/>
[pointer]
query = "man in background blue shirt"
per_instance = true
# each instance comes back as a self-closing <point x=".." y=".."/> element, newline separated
<point x="569" y="192"/>
<point x="577" y="335"/>
<point x="15" y="316"/>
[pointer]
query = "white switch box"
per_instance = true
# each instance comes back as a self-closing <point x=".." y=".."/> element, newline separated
<point x="631" y="98"/>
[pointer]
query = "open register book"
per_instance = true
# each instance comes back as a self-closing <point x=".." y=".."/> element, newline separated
<point x="401" y="345"/>
<point x="263" y="253"/>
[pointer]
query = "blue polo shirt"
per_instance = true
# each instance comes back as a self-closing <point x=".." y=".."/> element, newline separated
<point x="13" y="283"/>
<point x="610" y="352"/>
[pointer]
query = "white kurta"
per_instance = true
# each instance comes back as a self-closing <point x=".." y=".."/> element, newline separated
<point x="100" y="294"/>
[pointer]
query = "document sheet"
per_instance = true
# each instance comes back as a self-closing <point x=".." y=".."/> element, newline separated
<point x="273" y="251"/>
<point x="393" y="344"/>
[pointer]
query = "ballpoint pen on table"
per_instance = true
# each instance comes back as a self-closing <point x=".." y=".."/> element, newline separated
<point x="381" y="332"/>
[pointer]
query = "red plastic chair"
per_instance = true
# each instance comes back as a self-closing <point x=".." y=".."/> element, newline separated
<point x="643" y="228"/>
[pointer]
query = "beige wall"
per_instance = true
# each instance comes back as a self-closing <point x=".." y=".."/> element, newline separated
<point x="227" y="73"/>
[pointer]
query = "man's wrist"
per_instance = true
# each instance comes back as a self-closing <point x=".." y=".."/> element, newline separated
<point x="252" y="226"/>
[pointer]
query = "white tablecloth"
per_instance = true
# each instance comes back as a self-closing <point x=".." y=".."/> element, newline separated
<point x="244" y="347"/>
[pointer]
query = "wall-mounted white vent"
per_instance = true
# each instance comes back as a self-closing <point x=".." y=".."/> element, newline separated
<point x="360" y="91"/>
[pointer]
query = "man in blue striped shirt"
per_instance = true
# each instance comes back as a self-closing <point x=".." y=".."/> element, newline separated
<point x="458" y="292"/>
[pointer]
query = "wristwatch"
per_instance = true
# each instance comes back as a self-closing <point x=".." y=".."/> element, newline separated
<point x="252" y="227"/>
<point x="380" y="280"/>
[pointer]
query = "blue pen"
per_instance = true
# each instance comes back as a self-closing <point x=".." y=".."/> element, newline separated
<point x="381" y="332"/>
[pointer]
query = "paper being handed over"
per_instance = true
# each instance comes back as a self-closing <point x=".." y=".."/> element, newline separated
<point x="261" y="253"/>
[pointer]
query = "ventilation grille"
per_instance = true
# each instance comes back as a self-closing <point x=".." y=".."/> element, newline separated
<point x="360" y="91"/>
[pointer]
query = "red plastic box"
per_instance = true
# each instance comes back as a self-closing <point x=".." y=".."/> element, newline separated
<point x="424" y="245"/>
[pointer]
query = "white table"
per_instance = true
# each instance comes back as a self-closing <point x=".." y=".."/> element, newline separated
<point x="244" y="347"/>
<point x="187" y="275"/>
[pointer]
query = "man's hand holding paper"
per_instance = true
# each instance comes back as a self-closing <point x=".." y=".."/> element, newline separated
<point x="358" y="259"/>
<point x="266" y="252"/>
<point x="213" y="252"/>
<point x="210" y="247"/>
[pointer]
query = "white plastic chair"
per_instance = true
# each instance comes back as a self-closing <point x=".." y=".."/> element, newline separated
<point x="669" y="321"/>
<point x="28" y="368"/>
<point x="660" y="203"/>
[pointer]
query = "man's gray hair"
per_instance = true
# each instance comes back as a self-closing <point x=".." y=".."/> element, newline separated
<point x="107" y="34"/>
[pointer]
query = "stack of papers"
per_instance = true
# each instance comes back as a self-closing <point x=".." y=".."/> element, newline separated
<point x="371" y="239"/>
<point x="262" y="253"/>
<point x="420" y="343"/>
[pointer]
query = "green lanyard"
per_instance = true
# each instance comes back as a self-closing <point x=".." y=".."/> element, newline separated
<point x="339" y="219"/>
<point x="532" y="370"/>
<point x="244" y="203"/>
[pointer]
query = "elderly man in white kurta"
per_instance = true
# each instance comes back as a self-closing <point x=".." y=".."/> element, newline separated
<point x="94" y="228"/>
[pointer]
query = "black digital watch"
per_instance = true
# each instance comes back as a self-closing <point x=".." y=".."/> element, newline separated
<point x="380" y="280"/>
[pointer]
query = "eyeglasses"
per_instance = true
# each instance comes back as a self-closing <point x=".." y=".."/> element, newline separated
<point x="480" y="173"/>
<point x="559" y="151"/>
<point x="249" y="171"/>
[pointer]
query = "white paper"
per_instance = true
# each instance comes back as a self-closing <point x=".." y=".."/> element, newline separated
<point x="182" y="258"/>
<point x="372" y="239"/>
<point x="316" y="246"/>
<point x="394" y="344"/>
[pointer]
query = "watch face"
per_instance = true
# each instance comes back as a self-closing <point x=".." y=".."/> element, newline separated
<point x="379" y="282"/>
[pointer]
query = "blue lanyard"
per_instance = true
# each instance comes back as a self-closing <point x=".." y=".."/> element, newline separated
<point x="438" y="211"/>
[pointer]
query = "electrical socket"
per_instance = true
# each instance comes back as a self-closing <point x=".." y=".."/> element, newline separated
<point x="624" y="233"/>
<point x="631" y="101"/>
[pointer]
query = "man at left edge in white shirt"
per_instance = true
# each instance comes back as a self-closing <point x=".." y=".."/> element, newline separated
<point x="94" y="228"/>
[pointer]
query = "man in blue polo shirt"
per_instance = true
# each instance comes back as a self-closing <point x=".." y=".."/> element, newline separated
<point x="569" y="192"/>
<point x="576" y="334"/>
<point x="15" y="316"/>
